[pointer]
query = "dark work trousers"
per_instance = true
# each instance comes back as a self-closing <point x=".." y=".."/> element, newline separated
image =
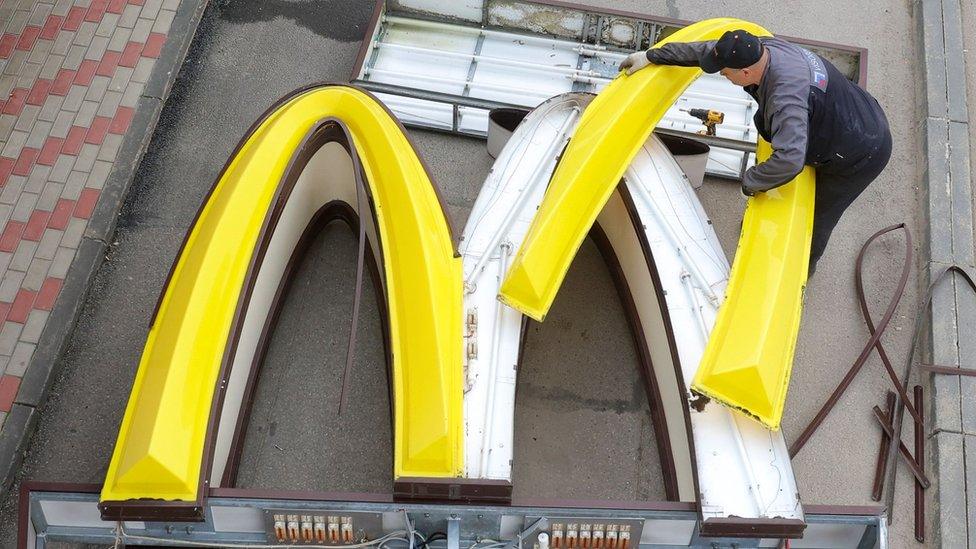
<point x="837" y="187"/>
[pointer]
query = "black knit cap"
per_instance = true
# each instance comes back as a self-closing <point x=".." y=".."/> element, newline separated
<point x="736" y="49"/>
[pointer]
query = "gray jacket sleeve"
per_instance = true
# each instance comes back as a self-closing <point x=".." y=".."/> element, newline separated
<point x="682" y="54"/>
<point x="789" y="132"/>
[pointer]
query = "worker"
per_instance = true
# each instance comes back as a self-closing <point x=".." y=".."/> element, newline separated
<point x="808" y="111"/>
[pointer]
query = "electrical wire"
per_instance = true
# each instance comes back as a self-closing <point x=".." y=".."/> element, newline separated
<point x="122" y="536"/>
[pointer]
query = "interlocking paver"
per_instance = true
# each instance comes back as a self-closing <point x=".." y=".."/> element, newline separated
<point x="28" y="116"/>
<point x="59" y="268"/>
<point x="51" y="66"/>
<point x="36" y="274"/>
<point x="119" y="39"/>
<point x="110" y="147"/>
<point x="10" y="285"/>
<point x="34" y="326"/>
<point x="24" y="208"/>
<point x="75" y="97"/>
<point x="86" y="158"/>
<point x="86" y="113"/>
<point x="20" y="358"/>
<point x="37" y="178"/>
<point x="52" y="106"/>
<point x="74" y="57"/>
<point x="72" y="73"/>
<point x="97" y="88"/>
<point x="38" y="134"/>
<point x="48" y="246"/>
<point x="74" y="232"/>
<point x="62" y="168"/>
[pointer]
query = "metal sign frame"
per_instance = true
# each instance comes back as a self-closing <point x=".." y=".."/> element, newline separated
<point x="52" y="512"/>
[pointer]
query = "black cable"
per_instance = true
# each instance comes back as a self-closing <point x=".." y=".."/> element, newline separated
<point x="433" y="537"/>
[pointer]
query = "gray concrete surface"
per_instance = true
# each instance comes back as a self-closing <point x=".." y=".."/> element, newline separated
<point x="235" y="70"/>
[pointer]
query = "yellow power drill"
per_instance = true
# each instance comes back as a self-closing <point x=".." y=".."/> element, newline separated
<point x="708" y="117"/>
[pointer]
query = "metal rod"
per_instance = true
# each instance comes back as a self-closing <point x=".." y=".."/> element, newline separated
<point x="714" y="141"/>
<point x="879" y="469"/>
<point x="920" y="322"/>
<point x="455" y="82"/>
<point x="947" y="370"/>
<point x="913" y="465"/>
<point x="875" y="335"/>
<point x="920" y="457"/>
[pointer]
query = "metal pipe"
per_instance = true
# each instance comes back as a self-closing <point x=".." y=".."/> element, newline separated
<point x="871" y="344"/>
<point x="556" y="144"/>
<point x="913" y="465"/>
<point x="455" y="82"/>
<point x="490" y="60"/>
<point x="718" y="98"/>
<point x="711" y="140"/>
<point x="920" y="457"/>
<point x="879" y="468"/>
<point x="947" y="370"/>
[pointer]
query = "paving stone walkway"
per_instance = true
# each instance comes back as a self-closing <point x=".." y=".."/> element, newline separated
<point x="71" y="75"/>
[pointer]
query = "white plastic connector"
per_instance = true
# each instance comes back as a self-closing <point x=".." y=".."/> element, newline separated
<point x="543" y="540"/>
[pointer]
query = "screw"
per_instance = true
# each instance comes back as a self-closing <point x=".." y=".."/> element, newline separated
<point x="189" y="530"/>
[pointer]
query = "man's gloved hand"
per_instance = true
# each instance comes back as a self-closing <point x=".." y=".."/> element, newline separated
<point x="634" y="62"/>
<point x="746" y="191"/>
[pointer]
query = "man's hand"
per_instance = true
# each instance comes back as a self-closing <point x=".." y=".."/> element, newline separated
<point x="634" y="62"/>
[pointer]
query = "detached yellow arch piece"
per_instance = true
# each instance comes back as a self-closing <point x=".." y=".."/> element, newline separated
<point x="761" y="315"/>
<point x="610" y="132"/>
<point x="166" y="433"/>
<point x="749" y="355"/>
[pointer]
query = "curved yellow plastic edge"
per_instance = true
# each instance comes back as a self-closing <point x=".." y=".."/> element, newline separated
<point x="749" y="355"/>
<point x="610" y="132"/>
<point x="161" y="444"/>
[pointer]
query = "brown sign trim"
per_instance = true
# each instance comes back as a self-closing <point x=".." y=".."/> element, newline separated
<point x="651" y="389"/>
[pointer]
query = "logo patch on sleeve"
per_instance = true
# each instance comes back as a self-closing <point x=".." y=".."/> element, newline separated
<point x="818" y="72"/>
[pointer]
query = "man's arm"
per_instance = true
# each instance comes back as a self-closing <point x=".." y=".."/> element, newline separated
<point x="790" y="133"/>
<point x="682" y="54"/>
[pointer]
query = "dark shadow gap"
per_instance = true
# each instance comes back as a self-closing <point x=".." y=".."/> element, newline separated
<point x="583" y="427"/>
<point x="296" y="439"/>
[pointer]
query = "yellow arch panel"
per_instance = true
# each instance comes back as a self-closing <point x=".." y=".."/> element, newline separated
<point x="749" y="356"/>
<point x="163" y="436"/>
<point x="610" y="132"/>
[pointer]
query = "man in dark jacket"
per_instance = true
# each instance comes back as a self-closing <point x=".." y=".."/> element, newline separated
<point x="808" y="111"/>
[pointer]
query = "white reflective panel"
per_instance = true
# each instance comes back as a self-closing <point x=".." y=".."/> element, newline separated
<point x="71" y="513"/>
<point x="525" y="70"/>
<point x="667" y="532"/>
<point x="237" y="519"/>
<point x="829" y="536"/>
